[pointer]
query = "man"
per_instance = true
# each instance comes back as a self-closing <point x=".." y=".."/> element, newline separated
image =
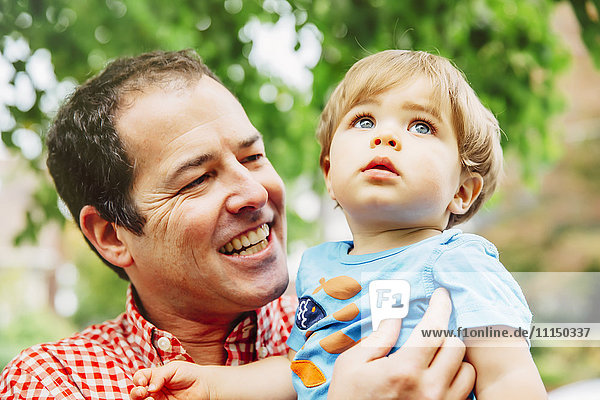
<point x="172" y="188"/>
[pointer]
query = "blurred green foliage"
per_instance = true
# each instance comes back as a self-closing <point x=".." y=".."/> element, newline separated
<point x="30" y="328"/>
<point x="30" y="325"/>
<point x="505" y="47"/>
<point x="100" y="292"/>
<point x="588" y="15"/>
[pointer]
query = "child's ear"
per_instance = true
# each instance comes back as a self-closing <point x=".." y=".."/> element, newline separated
<point x="326" y="169"/>
<point x="467" y="193"/>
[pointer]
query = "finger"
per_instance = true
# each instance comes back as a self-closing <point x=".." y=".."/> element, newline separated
<point x="378" y="344"/>
<point x="438" y="312"/>
<point x="448" y="360"/>
<point x="140" y="378"/>
<point x="138" y="393"/>
<point x="156" y="379"/>
<point x="463" y="383"/>
<point x="422" y="348"/>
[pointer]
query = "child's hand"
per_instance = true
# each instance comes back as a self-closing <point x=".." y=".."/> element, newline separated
<point x="177" y="380"/>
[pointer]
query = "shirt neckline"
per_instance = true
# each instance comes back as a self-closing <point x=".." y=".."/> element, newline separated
<point x="168" y="348"/>
<point x="351" y="259"/>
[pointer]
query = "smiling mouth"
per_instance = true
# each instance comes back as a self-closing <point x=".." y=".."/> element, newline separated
<point x="248" y="243"/>
<point x="382" y="164"/>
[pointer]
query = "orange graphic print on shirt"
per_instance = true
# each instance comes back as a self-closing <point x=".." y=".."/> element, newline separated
<point x="309" y="312"/>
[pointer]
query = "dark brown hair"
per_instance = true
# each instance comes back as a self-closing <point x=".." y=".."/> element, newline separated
<point x="86" y="156"/>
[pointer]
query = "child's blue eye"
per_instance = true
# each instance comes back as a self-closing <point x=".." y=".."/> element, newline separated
<point x="364" y="123"/>
<point x="421" y="128"/>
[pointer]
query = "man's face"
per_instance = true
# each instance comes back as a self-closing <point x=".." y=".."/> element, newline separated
<point x="205" y="187"/>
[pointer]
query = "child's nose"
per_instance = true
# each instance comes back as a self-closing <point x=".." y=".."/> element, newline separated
<point x="386" y="140"/>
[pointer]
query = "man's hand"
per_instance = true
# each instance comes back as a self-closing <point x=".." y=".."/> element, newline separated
<point x="423" y="368"/>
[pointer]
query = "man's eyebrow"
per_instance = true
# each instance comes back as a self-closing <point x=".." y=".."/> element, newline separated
<point x="189" y="164"/>
<point x="244" y="144"/>
<point x="426" y="109"/>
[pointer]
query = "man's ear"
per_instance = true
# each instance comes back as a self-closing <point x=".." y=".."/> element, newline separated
<point x="467" y="193"/>
<point x="104" y="237"/>
<point x="327" y="176"/>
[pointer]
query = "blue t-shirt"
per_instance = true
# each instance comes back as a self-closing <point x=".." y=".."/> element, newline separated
<point x="333" y="289"/>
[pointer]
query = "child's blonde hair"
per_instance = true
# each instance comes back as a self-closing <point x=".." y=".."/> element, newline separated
<point x="476" y="127"/>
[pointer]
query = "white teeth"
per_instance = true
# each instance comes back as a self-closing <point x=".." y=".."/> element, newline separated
<point x="253" y="237"/>
<point x="236" y="243"/>
<point x="245" y="241"/>
<point x="254" y="249"/>
<point x="251" y="242"/>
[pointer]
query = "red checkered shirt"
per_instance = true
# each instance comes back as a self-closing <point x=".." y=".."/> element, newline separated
<point x="99" y="362"/>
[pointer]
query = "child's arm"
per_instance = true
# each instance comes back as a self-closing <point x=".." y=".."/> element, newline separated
<point x="266" y="379"/>
<point x="504" y="367"/>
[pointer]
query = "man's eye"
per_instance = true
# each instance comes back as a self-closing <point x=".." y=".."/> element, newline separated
<point x="364" y="123"/>
<point x="198" y="181"/>
<point x="420" y="128"/>
<point x="253" y="157"/>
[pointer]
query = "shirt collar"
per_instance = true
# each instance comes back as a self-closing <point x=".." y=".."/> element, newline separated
<point x="241" y="344"/>
<point x="155" y="342"/>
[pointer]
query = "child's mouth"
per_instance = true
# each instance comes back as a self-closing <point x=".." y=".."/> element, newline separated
<point x="381" y="167"/>
<point x="382" y="164"/>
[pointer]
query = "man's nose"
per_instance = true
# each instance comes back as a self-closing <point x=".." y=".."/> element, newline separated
<point x="386" y="140"/>
<point x="247" y="193"/>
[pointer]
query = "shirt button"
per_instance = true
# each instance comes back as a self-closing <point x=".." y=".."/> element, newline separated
<point x="262" y="352"/>
<point x="164" y="344"/>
